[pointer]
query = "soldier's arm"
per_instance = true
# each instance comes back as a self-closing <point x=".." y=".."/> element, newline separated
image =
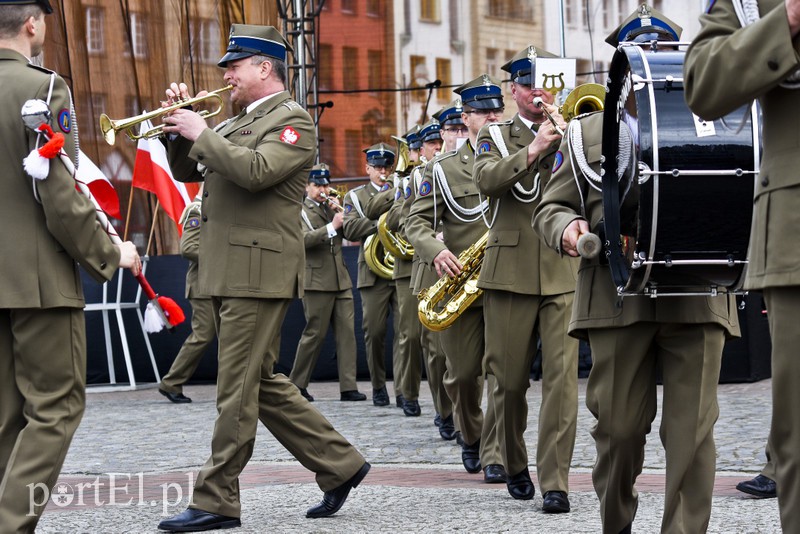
<point x="420" y="225"/>
<point x="355" y="227"/>
<point x="316" y="237"/>
<point x="494" y="174"/>
<point x="190" y="240"/>
<point x="728" y="66"/>
<point x="560" y="204"/>
<point x="380" y="203"/>
<point x="70" y="217"/>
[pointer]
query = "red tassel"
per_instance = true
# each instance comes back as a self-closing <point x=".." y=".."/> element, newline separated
<point x="52" y="147"/>
<point x="171" y="309"/>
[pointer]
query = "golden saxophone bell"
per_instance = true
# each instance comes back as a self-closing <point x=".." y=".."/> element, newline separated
<point x="111" y="127"/>
<point x="462" y="289"/>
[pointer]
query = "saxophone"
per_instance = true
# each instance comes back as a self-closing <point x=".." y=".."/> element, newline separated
<point x="462" y="289"/>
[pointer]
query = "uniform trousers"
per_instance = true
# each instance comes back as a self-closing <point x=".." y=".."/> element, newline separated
<point x="464" y="349"/>
<point x="621" y="394"/>
<point x="408" y="359"/>
<point x="376" y="301"/>
<point x="512" y="323"/>
<point x="42" y="398"/>
<point x="192" y="350"/>
<point x="247" y="391"/>
<point x="783" y="304"/>
<point x="320" y="307"/>
<point x="436" y="366"/>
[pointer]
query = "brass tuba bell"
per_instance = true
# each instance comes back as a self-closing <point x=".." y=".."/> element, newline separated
<point x="585" y="98"/>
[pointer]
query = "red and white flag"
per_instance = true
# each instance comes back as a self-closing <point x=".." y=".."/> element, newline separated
<point x="151" y="172"/>
<point x="98" y="184"/>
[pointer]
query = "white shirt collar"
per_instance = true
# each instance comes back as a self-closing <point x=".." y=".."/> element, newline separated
<point x="260" y="101"/>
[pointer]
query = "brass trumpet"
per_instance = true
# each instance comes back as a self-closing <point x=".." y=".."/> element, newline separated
<point x="332" y="201"/>
<point x="111" y="127"/>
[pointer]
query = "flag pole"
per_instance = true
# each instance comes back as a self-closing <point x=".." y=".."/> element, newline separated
<point x="128" y="214"/>
<point x="152" y="227"/>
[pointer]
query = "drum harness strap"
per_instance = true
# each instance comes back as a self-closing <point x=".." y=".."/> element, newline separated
<point x="747" y="12"/>
<point x="578" y="156"/>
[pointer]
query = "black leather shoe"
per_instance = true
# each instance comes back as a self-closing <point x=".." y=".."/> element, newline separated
<point x="494" y="474"/>
<point x="177" y="398"/>
<point x="353" y="395"/>
<point x="555" y="502"/>
<point x="459" y="438"/>
<point x="399" y="400"/>
<point x="304" y="392"/>
<point x="520" y="486"/>
<point x="411" y="408"/>
<point x="761" y="486"/>
<point x="193" y="520"/>
<point x="471" y="457"/>
<point x="447" y="429"/>
<point x="380" y="397"/>
<point x="437" y="420"/>
<point x="334" y="499"/>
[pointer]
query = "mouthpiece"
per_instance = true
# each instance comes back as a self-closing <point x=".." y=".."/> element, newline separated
<point x="538" y="102"/>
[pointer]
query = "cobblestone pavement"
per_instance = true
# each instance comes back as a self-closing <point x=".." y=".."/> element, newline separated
<point x="135" y="455"/>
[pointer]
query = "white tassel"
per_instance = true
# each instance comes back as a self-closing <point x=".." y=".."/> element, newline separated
<point x="152" y="320"/>
<point x="36" y="165"/>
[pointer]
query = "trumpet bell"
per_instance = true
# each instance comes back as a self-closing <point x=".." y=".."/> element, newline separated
<point x="586" y="98"/>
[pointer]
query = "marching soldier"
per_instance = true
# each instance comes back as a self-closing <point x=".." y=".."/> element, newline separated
<point x="527" y="291"/>
<point x="448" y="195"/>
<point x="51" y="228"/>
<point x="255" y="167"/>
<point x="328" y="290"/>
<point x="378" y="295"/>
<point x="748" y="50"/>
<point x="633" y="337"/>
<point x="203" y="324"/>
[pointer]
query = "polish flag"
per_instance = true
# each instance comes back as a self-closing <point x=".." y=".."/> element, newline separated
<point x="151" y="172"/>
<point x="102" y="190"/>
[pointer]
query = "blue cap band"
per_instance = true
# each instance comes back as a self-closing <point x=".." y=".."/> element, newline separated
<point x="638" y="23"/>
<point x="257" y="46"/>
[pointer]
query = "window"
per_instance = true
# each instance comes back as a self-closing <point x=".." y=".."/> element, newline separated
<point x="95" y="39"/>
<point x="98" y="104"/>
<point x="325" y="66"/>
<point x="605" y="15"/>
<point x="572" y="12"/>
<point x="512" y="9"/>
<point x="205" y="40"/>
<point x="138" y="35"/>
<point x="374" y="69"/>
<point x="429" y="10"/>
<point x="132" y="107"/>
<point x="622" y="10"/>
<point x="353" y="154"/>
<point x="350" y="60"/>
<point x="419" y="76"/>
<point x="374" y="8"/>
<point x="349" y="6"/>
<point x="443" y="74"/>
<point x="492" y="63"/>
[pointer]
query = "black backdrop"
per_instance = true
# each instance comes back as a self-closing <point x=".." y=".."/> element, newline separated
<point x="744" y="360"/>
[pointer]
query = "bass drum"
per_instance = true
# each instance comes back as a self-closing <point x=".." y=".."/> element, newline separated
<point x="684" y="216"/>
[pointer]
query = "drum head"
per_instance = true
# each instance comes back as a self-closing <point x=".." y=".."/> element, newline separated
<point x="685" y="215"/>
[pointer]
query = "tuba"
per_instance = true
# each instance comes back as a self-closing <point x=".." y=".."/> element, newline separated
<point x="395" y="244"/>
<point x="462" y="290"/>
<point x="378" y="259"/>
<point x="585" y="98"/>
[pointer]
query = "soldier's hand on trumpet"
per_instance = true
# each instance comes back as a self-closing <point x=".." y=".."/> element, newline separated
<point x="549" y="132"/>
<point x="184" y="122"/>
<point x="446" y="263"/>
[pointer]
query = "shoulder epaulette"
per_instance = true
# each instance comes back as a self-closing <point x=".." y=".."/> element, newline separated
<point x="362" y="186"/>
<point x="39" y="68"/>
<point x="292" y="105"/>
<point x="442" y="157"/>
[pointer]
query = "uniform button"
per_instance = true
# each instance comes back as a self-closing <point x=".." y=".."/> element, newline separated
<point x="772" y="64"/>
<point x="205" y="193"/>
<point x="495" y="240"/>
<point x="765" y="181"/>
<point x="200" y="157"/>
<point x="255" y="242"/>
<point x="205" y="218"/>
<point x="516" y="169"/>
<point x="103" y="265"/>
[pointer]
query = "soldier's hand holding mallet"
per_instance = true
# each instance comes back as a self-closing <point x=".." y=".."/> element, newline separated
<point x="577" y="240"/>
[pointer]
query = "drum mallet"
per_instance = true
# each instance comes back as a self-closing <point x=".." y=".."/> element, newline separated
<point x="588" y="245"/>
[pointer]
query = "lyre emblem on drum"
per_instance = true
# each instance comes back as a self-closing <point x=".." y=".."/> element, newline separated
<point x="549" y="82"/>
